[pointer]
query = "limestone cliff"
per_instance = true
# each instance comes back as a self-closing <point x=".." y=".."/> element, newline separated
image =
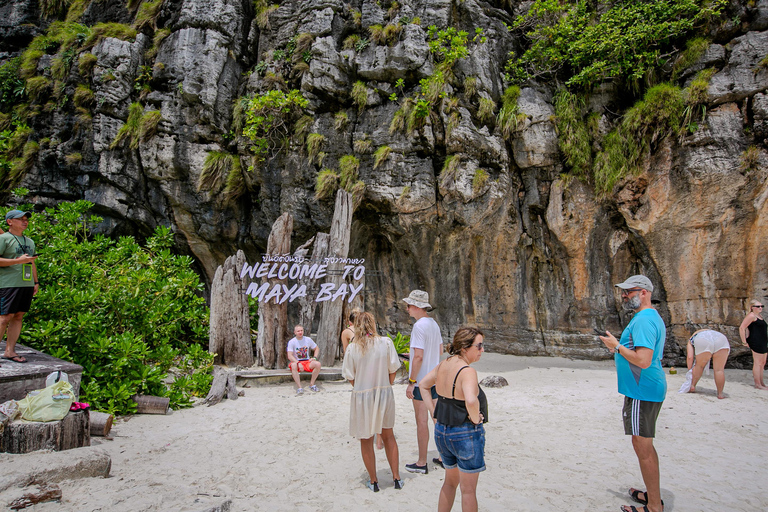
<point x="485" y="222"/>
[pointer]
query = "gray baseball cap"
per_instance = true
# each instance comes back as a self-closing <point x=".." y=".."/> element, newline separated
<point x="636" y="282"/>
<point x="16" y="214"/>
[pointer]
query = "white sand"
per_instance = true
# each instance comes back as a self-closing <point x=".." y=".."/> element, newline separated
<point x="554" y="442"/>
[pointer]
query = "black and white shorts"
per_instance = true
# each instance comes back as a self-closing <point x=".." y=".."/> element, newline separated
<point x="640" y="417"/>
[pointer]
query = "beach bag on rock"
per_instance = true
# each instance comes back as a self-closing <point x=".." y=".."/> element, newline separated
<point x="50" y="404"/>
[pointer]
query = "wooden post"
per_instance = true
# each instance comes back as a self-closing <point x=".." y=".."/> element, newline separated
<point x="307" y="304"/>
<point x="273" y="318"/>
<point x="230" y="330"/>
<point x="101" y="423"/>
<point x="330" y="322"/>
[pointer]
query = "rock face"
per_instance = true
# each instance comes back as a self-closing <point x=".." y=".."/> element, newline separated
<point x="528" y="256"/>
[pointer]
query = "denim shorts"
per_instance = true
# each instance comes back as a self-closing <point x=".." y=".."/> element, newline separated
<point x="462" y="446"/>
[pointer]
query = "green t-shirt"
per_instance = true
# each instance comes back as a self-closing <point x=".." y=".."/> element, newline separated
<point x="12" y="247"/>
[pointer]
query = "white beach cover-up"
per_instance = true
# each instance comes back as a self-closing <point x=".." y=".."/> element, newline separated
<point x="373" y="402"/>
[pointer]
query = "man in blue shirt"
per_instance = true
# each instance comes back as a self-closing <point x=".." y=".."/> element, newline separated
<point x="642" y="382"/>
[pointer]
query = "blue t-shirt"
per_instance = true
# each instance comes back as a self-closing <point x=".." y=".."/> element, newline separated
<point x="646" y="329"/>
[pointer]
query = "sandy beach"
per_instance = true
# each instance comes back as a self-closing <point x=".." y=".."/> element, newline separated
<point x="554" y="442"/>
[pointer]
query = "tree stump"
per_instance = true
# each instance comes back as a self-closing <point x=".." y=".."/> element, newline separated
<point x="330" y="321"/>
<point x="273" y="318"/>
<point x="230" y="330"/>
<point x="74" y="431"/>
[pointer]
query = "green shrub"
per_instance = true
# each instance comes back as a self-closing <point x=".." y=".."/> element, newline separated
<point x="36" y="86"/>
<point x="573" y="135"/>
<point x="380" y="156"/>
<point x="658" y="115"/>
<point x="103" y="30"/>
<point x="510" y="118"/>
<point x="73" y="158"/>
<point x="139" y="127"/>
<point x="350" y="42"/>
<point x="348" y="168"/>
<point x="694" y="49"/>
<point x="314" y="143"/>
<point x="263" y="10"/>
<point x="157" y="39"/>
<point x="362" y="146"/>
<point x="479" y="180"/>
<point x="486" y="110"/>
<point x="340" y="120"/>
<point x="11" y="84"/>
<point x="588" y="42"/>
<point x="470" y="87"/>
<point x="147" y="14"/>
<point x="749" y="159"/>
<point x="51" y="8"/>
<point x="85" y="63"/>
<point x="359" y="95"/>
<point x="126" y="313"/>
<point x="450" y="170"/>
<point x="76" y="10"/>
<point x="270" y="118"/>
<point x="216" y="168"/>
<point x="83" y="96"/>
<point x="327" y="184"/>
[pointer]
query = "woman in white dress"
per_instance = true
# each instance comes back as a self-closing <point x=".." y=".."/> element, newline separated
<point x="370" y="364"/>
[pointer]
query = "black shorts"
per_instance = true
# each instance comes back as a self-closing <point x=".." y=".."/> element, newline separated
<point x="640" y="417"/>
<point x="417" y="394"/>
<point x="16" y="300"/>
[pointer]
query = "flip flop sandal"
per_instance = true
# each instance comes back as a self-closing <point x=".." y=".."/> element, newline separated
<point x="635" y="495"/>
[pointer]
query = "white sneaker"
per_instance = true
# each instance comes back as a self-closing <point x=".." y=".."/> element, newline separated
<point x="314" y="388"/>
<point x="300" y="391"/>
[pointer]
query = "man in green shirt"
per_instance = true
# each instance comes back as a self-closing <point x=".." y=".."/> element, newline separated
<point x="18" y="280"/>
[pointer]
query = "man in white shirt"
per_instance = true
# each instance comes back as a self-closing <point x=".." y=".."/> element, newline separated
<point x="426" y="347"/>
<point x="299" y="360"/>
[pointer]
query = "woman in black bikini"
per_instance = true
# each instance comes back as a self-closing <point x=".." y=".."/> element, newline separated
<point x="460" y="412"/>
<point x="754" y="332"/>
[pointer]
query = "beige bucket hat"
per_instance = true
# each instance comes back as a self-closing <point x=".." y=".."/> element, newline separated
<point x="418" y="298"/>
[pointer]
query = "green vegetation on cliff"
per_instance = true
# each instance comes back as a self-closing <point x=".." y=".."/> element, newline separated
<point x="586" y="43"/>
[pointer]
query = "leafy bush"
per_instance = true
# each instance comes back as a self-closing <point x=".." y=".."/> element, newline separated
<point x="11" y="84"/>
<point x="589" y="42"/>
<point x="269" y="119"/>
<point x="127" y="314"/>
<point x="402" y="345"/>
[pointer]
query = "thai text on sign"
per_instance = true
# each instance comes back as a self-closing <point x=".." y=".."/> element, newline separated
<point x="289" y="267"/>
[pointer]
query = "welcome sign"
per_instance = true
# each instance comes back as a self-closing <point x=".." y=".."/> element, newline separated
<point x="296" y="268"/>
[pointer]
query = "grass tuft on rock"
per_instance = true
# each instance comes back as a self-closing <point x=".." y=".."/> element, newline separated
<point x="380" y="156"/>
<point x="326" y="184"/>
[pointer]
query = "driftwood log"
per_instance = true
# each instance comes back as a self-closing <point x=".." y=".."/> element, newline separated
<point x="148" y="404"/>
<point x="223" y="382"/>
<point x="330" y="320"/>
<point x="307" y="304"/>
<point x="273" y="318"/>
<point x="230" y="331"/>
<point x="101" y="423"/>
<point x="43" y="493"/>
<point x="73" y="431"/>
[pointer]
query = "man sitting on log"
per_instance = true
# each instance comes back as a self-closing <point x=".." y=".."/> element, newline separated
<point x="299" y="360"/>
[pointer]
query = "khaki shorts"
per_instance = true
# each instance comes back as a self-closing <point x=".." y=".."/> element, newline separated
<point x="640" y="417"/>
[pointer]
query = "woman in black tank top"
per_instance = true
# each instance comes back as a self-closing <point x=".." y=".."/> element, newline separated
<point x="754" y="332"/>
<point x="459" y="413"/>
